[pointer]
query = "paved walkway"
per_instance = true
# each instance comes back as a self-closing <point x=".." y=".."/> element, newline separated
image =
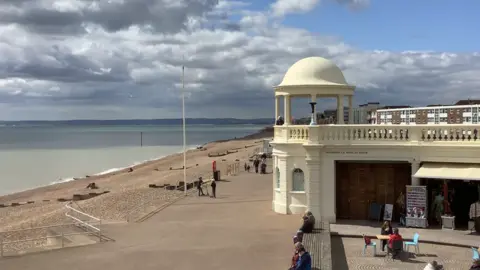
<point x="347" y="254"/>
<point x="352" y="228"/>
<point x="238" y="230"/>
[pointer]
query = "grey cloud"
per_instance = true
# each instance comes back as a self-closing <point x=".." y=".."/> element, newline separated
<point x="63" y="66"/>
<point x="137" y="72"/>
<point x="161" y="15"/>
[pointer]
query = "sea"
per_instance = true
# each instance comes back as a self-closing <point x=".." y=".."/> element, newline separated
<point x="34" y="155"/>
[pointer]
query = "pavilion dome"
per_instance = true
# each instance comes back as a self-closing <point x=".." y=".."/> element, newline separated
<point x="313" y="71"/>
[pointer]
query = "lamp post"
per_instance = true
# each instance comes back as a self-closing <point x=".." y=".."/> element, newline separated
<point x="184" y="134"/>
<point x="313" y="121"/>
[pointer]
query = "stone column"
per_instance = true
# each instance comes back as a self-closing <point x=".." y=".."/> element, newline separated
<point x="415" y="166"/>
<point x="313" y="183"/>
<point x="281" y="196"/>
<point x="350" y="110"/>
<point x="340" y="115"/>
<point x="277" y="107"/>
<point x="288" y="113"/>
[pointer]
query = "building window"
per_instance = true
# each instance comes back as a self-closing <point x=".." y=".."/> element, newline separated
<point x="277" y="172"/>
<point x="298" y="183"/>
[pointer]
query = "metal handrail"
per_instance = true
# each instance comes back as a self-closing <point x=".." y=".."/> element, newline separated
<point x="80" y="212"/>
<point x="97" y="231"/>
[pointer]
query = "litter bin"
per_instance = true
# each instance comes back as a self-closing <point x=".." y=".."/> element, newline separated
<point x="216" y="175"/>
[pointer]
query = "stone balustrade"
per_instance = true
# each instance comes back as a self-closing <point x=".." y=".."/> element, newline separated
<point x="377" y="134"/>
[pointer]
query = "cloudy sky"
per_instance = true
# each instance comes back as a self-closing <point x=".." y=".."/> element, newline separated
<point x="121" y="59"/>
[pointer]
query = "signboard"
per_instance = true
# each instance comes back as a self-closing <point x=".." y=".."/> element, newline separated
<point x="388" y="212"/>
<point x="416" y="206"/>
<point x="347" y="152"/>
<point x="417" y="201"/>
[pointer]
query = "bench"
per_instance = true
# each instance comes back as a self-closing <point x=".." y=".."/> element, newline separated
<point x="313" y="244"/>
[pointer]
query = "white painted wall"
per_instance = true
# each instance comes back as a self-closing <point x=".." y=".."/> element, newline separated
<point x="292" y="155"/>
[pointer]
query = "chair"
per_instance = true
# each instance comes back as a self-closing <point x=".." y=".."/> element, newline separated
<point x="475" y="253"/>
<point x="368" y="242"/>
<point x="413" y="243"/>
<point x="397" y="248"/>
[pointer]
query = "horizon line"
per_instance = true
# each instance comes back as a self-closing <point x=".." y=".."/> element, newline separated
<point x="141" y="119"/>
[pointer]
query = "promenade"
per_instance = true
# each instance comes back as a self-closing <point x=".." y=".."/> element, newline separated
<point x="237" y="230"/>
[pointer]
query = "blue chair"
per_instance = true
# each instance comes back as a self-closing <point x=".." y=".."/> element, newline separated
<point x="369" y="243"/>
<point x="475" y="253"/>
<point x="413" y="243"/>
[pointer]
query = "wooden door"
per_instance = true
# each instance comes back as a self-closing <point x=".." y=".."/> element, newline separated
<point x="342" y="190"/>
<point x="360" y="190"/>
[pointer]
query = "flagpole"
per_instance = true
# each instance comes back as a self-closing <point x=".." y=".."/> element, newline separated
<point x="184" y="134"/>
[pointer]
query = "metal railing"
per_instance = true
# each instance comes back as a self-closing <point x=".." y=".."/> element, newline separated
<point x="89" y="227"/>
<point x="86" y="225"/>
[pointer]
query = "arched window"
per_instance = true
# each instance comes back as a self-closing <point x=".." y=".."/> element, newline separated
<point x="277" y="172"/>
<point x="298" y="183"/>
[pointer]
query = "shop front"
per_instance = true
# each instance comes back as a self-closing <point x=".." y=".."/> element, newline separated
<point x="452" y="194"/>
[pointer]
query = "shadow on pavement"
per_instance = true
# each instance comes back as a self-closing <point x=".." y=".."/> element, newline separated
<point x="339" y="259"/>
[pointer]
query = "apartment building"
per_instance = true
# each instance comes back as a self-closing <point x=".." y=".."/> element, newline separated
<point x="361" y="114"/>
<point x="433" y="114"/>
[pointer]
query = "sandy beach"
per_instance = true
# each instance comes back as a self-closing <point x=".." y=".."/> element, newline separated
<point x="128" y="190"/>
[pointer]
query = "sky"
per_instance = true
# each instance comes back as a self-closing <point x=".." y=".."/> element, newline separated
<point x="122" y="59"/>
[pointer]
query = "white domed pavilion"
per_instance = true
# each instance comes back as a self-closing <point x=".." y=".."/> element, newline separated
<point x="313" y="77"/>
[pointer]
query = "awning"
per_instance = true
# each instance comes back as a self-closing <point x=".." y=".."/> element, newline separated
<point x="454" y="171"/>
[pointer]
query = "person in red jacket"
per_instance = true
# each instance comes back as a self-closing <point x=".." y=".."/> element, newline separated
<point x="394" y="237"/>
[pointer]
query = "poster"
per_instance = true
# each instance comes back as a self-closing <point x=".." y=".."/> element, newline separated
<point x="416" y="201"/>
<point x="388" y="212"/>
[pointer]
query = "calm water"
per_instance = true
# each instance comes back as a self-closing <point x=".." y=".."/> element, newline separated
<point x="38" y="156"/>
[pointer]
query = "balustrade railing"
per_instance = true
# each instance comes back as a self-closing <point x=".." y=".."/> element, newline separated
<point x="334" y="134"/>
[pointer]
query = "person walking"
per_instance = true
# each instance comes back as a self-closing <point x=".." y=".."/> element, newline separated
<point x="214" y="188"/>
<point x="256" y="163"/>
<point x="199" y="187"/>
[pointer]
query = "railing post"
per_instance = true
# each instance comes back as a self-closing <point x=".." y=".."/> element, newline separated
<point x="1" y="247"/>
<point x="63" y="241"/>
<point x="414" y="134"/>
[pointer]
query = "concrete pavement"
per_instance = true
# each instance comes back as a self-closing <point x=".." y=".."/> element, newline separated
<point x="237" y="230"/>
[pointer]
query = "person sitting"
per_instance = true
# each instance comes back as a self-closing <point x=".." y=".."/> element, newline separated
<point x="296" y="255"/>
<point x="298" y="238"/>
<point x="386" y="230"/>
<point x="475" y="265"/>
<point x="308" y="223"/>
<point x="394" y="237"/>
<point x="305" y="260"/>
<point x="279" y="121"/>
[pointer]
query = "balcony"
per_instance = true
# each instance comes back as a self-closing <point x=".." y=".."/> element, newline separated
<point x="377" y="134"/>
